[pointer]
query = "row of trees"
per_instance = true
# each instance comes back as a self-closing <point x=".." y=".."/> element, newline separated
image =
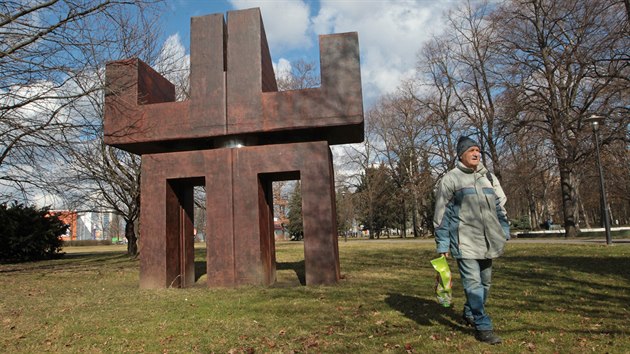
<point x="522" y="78"/>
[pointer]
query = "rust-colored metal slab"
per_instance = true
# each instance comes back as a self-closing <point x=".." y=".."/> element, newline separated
<point x="234" y="92"/>
<point x="208" y="65"/>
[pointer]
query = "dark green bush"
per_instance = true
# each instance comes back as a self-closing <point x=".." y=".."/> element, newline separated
<point x="28" y="233"/>
<point x="521" y="223"/>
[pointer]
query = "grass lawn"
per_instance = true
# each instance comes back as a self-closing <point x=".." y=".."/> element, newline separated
<point x="546" y="298"/>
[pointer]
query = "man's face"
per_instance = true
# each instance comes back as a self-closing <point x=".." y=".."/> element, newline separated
<point x="471" y="157"/>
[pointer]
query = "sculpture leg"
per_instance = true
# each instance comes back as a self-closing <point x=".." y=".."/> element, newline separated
<point x="319" y="220"/>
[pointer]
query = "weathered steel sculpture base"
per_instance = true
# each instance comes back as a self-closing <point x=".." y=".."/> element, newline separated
<point x="240" y="243"/>
<point x="236" y="135"/>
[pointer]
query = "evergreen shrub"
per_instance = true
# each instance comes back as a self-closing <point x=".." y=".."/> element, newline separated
<point x="29" y="234"/>
<point x="521" y="223"/>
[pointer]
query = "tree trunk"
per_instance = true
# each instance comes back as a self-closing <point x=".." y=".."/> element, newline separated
<point x="534" y="220"/>
<point x="414" y="216"/>
<point x="132" y="240"/>
<point x="404" y="219"/>
<point x="587" y="222"/>
<point x="611" y="219"/>
<point x="569" y="199"/>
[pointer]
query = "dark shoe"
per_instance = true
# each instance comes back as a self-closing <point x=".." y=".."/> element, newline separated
<point x="488" y="337"/>
<point x="468" y="321"/>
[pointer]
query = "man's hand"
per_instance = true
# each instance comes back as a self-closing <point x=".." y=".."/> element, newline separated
<point x="446" y="254"/>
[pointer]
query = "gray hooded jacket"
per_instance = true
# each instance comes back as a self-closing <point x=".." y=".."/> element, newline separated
<point x="470" y="219"/>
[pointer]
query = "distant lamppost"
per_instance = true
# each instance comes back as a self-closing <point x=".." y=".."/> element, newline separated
<point x="595" y="121"/>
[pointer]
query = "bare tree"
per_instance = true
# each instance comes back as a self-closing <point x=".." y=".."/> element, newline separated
<point x="45" y="50"/>
<point x="357" y="159"/>
<point x="101" y="176"/>
<point x="460" y="81"/>
<point x="299" y="75"/>
<point x="435" y="90"/>
<point x="531" y="178"/>
<point x="174" y="64"/>
<point x="63" y="150"/>
<point x="346" y="213"/>
<point x="618" y="178"/>
<point x="398" y="120"/>
<point x="564" y="56"/>
<point x="478" y="78"/>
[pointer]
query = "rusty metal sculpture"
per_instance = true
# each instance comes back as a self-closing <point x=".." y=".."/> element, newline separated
<point x="235" y="135"/>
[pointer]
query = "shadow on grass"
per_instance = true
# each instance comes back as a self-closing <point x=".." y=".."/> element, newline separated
<point x="424" y="312"/>
<point x="69" y="262"/>
<point x="595" y="265"/>
<point x="597" y="285"/>
<point x="297" y="267"/>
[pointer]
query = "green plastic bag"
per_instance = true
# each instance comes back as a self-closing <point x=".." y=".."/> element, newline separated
<point x="443" y="281"/>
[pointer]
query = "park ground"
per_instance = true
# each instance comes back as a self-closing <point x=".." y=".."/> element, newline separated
<point x="548" y="296"/>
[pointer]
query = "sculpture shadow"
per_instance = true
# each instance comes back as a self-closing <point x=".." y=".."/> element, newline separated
<point x="201" y="268"/>
<point x="424" y="312"/>
<point x="298" y="267"/>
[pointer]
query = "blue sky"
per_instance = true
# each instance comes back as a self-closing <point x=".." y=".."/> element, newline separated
<point x="390" y="31"/>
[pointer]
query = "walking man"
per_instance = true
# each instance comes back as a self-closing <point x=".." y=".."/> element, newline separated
<point x="471" y="225"/>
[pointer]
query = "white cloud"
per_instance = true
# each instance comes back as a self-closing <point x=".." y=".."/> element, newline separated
<point x="390" y="35"/>
<point x="282" y="68"/>
<point x="174" y="64"/>
<point x="172" y="58"/>
<point x="390" y="32"/>
<point x="287" y="23"/>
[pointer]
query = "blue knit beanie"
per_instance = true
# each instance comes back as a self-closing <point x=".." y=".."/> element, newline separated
<point x="464" y="143"/>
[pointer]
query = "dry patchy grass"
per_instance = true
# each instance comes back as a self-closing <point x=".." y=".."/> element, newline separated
<point x="546" y="298"/>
